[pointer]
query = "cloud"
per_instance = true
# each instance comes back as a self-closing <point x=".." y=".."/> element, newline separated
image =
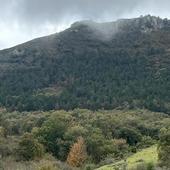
<point x="22" y="20"/>
<point x="56" y="10"/>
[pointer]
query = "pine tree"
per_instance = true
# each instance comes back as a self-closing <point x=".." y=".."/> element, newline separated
<point x="77" y="154"/>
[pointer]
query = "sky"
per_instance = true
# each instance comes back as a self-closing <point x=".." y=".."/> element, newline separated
<point x="23" y="20"/>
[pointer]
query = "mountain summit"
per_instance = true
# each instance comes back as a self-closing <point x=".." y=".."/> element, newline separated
<point x="144" y="24"/>
<point x="91" y="65"/>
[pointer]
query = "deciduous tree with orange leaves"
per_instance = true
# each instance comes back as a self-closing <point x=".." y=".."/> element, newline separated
<point x="77" y="154"/>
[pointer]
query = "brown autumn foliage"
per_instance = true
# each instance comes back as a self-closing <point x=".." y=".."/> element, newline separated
<point x="77" y="154"/>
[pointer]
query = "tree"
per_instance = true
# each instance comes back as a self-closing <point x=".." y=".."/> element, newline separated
<point x="129" y="134"/>
<point x="98" y="147"/>
<point x="164" y="148"/>
<point x="77" y="154"/>
<point x="52" y="132"/>
<point x="29" y="148"/>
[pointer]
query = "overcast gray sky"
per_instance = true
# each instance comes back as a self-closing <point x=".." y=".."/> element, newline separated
<point x="23" y="20"/>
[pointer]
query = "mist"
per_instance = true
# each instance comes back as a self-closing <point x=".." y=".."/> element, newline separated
<point x="23" y="20"/>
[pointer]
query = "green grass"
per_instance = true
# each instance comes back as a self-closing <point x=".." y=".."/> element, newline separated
<point x="146" y="155"/>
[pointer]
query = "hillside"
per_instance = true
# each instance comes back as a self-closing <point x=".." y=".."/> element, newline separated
<point x="148" y="155"/>
<point x="122" y="64"/>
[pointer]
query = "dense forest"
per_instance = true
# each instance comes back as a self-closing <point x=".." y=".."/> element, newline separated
<point x="82" y="68"/>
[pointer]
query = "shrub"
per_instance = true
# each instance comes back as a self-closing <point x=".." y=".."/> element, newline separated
<point x="48" y="167"/>
<point x="146" y="141"/>
<point x="29" y="148"/>
<point x="4" y="150"/>
<point x="144" y="166"/>
<point x="3" y="132"/>
<point x="121" y="147"/>
<point x="164" y="148"/>
<point x="130" y="135"/>
<point x="150" y="166"/>
<point x="89" y="167"/>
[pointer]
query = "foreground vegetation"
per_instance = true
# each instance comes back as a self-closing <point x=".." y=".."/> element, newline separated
<point x="80" y="139"/>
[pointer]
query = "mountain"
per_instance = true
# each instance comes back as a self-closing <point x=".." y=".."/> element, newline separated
<point x="122" y="64"/>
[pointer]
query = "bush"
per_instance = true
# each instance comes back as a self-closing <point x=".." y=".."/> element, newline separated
<point x="131" y="135"/>
<point x="121" y="147"/>
<point x="3" y="133"/>
<point x="144" y="166"/>
<point x="48" y="167"/>
<point x="150" y="166"/>
<point x="146" y="141"/>
<point x="29" y="148"/>
<point x="5" y="148"/>
<point x="89" y="167"/>
<point x="164" y="148"/>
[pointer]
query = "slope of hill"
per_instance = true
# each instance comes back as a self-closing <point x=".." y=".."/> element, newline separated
<point x="148" y="155"/>
<point x="91" y="65"/>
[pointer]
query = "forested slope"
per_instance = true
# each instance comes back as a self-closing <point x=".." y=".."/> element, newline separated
<point x="123" y="64"/>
